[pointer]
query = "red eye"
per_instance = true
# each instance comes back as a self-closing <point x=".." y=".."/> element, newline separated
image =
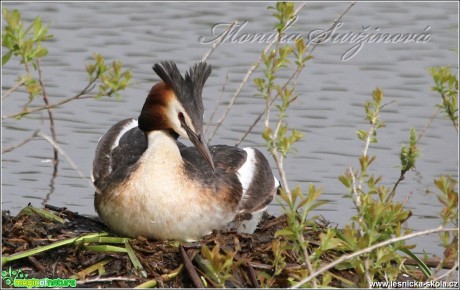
<point x="181" y="117"/>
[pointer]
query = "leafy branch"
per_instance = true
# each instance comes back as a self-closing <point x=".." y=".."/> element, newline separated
<point x="111" y="77"/>
<point x="294" y="76"/>
<point x="369" y="249"/>
<point x="246" y="79"/>
<point x="25" y="43"/>
<point x="408" y="156"/>
<point x="446" y="84"/>
<point x="377" y="219"/>
<point x="279" y="137"/>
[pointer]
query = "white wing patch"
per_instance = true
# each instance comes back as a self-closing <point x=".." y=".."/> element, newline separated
<point x="125" y="129"/>
<point x="246" y="172"/>
<point x="277" y="182"/>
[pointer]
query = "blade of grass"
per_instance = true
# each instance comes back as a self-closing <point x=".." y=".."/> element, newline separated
<point x="206" y="269"/>
<point x="347" y="282"/>
<point x="107" y="240"/>
<point x="164" y="278"/>
<point x="28" y="210"/>
<point x="84" y="239"/>
<point x="105" y="248"/>
<point x="25" y="254"/>
<point x="136" y="263"/>
<point x="426" y="271"/>
<point x="148" y="284"/>
<point x="85" y="272"/>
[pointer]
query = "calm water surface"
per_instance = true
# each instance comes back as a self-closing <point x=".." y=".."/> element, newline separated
<point x="328" y="111"/>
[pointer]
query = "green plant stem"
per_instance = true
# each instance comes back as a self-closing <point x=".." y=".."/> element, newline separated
<point x="370" y="249"/>
<point x="366" y="272"/>
<point x="370" y="134"/>
<point x="134" y="260"/>
<point x="164" y="278"/>
<point x="294" y="76"/>
<point x="105" y="248"/>
<point x="445" y="101"/>
<point x="80" y="95"/>
<point x="306" y="257"/>
<point x="98" y="266"/>
<point x="357" y="196"/>
<point x="357" y="199"/>
<point x="426" y="271"/>
<point x="109" y="279"/>
<point x="393" y="191"/>
<point x="245" y="80"/>
<point x="428" y="124"/>
<point x="280" y="165"/>
<point x="21" y="255"/>
<point x="107" y="240"/>
<point x="279" y="161"/>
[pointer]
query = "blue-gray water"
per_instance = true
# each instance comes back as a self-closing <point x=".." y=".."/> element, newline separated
<point x="329" y="109"/>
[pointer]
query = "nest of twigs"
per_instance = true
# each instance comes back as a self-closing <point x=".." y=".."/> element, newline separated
<point x="104" y="260"/>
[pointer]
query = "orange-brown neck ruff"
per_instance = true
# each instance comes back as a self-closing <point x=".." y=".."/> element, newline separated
<point x="154" y="114"/>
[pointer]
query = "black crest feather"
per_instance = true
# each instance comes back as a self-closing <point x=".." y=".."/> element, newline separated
<point x="188" y="90"/>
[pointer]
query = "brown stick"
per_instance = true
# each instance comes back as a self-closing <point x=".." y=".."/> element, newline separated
<point x="37" y="264"/>
<point x="11" y="148"/>
<point x="431" y="262"/>
<point x="191" y="269"/>
<point x="252" y="276"/>
<point x="15" y="87"/>
<point x="51" y="118"/>
<point x="80" y="95"/>
<point x="211" y="117"/>
<point x="217" y="43"/>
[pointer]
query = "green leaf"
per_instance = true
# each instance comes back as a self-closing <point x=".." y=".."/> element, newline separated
<point x="345" y="181"/>
<point x="260" y="83"/>
<point x="6" y="57"/>
<point x="377" y="96"/>
<point x="41" y="53"/>
<point x="362" y="135"/>
<point x="425" y="269"/>
<point x="409" y="154"/>
<point x="37" y="25"/>
<point x="328" y="241"/>
<point x="284" y="232"/>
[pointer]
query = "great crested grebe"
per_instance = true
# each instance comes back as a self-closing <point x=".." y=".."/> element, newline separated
<point x="148" y="184"/>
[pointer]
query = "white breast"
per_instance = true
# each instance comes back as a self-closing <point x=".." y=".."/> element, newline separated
<point x="162" y="201"/>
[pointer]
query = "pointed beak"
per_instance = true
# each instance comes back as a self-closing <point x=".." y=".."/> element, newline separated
<point x="200" y="145"/>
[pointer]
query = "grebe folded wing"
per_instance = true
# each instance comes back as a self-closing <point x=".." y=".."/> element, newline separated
<point x="116" y="150"/>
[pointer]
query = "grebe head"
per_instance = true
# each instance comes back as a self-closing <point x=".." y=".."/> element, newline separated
<point x="176" y="104"/>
